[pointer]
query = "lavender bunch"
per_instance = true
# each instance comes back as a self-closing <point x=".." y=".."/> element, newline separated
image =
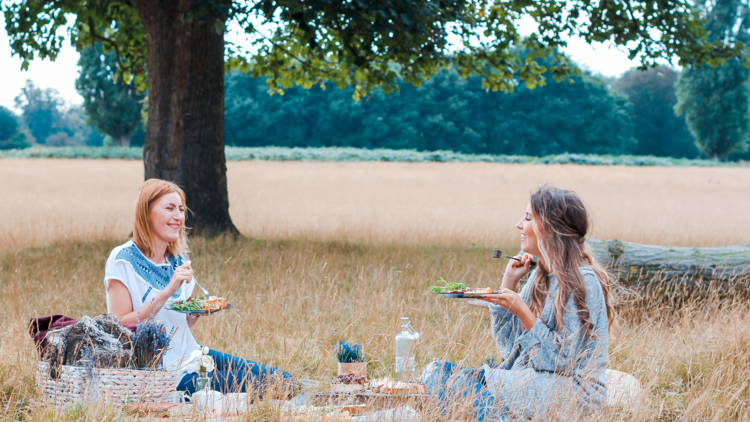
<point x="349" y="353"/>
<point x="150" y="342"/>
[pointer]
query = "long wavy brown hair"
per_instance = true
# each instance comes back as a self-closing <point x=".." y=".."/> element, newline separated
<point x="561" y="224"/>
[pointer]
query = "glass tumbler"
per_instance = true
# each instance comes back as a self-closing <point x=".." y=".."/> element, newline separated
<point x="308" y="389"/>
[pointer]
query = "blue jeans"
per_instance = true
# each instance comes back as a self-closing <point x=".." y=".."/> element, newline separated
<point x="237" y="375"/>
<point x="450" y="385"/>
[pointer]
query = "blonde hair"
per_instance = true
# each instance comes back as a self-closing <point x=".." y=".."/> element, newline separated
<point x="151" y="191"/>
<point x="561" y="224"/>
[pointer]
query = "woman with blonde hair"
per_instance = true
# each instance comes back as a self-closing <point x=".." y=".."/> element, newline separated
<point x="150" y="272"/>
<point x="553" y="335"/>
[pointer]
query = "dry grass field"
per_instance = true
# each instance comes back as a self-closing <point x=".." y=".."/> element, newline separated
<point x="341" y="250"/>
<point x="403" y="203"/>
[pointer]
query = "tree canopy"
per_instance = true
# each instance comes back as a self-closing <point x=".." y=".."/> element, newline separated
<point x="716" y="100"/>
<point x="446" y="112"/>
<point x="12" y="134"/>
<point x="42" y="110"/>
<point x="657" y="128"/>
<point x="112" y="106"/>
<point x="50" y="121"/>
<point x="8" y="124"/>
<point x="368" y="44"/>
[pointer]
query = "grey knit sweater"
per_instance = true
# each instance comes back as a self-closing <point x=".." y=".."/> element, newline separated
<point x="549" y="373"/>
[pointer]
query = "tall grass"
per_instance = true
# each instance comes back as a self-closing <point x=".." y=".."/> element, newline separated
<point x="294" y="299"/>
<point x="44" y="201"/>
<point x="339" y="251"/>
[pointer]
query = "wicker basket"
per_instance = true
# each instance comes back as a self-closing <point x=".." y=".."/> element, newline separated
<point x="113" y="386"/>
<point x="72" y="386"/>
<point x="126" y="386"/>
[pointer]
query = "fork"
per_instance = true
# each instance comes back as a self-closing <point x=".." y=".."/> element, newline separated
<point x="205" y="292"/>
<point x="497" y="253"/>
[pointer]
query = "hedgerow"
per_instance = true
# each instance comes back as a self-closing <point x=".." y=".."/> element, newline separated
<point x="358" y="154"/>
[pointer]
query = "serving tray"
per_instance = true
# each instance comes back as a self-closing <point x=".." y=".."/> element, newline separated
<point x="368" y="400"/>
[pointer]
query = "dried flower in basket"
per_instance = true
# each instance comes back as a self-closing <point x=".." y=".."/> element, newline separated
<point x="150" y="342"/>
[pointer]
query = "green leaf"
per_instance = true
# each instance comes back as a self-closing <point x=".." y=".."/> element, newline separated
<point x="219" y="26"/>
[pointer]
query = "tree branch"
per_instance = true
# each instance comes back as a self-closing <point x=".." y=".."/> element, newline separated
<point x="95" y="36"/>
<point x="287" y="52"/>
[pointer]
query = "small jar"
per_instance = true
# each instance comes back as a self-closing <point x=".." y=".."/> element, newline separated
<point x="358" y="368"/>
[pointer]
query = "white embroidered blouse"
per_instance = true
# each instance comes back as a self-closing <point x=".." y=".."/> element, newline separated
<point x="144" y="280"/>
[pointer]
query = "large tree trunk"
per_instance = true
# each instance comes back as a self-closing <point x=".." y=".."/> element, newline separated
<point x="634" y="263"/>
<point x="185" y="132"/>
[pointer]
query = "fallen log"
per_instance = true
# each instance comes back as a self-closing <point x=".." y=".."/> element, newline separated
<point x="635" y="263"/>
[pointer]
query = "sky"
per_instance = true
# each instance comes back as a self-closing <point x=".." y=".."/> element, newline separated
<point x="61" y="74"/>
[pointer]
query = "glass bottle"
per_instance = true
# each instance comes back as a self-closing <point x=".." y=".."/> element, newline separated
<point x="204" y="382"/>
<point x="405" y="348"/>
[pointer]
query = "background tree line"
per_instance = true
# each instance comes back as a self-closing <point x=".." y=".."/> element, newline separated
<point x="110" y="113"/>
<point x="45" y="120"/>
<point x="588" y="114"/>
<point x="633" y="114"/>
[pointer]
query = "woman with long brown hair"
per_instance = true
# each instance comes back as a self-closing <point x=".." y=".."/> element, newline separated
<point x="146" y="274"/>
<point x="553" y="335"/>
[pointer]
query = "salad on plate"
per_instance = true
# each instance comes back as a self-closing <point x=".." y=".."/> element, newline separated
<point x="458" y="290"/>
<point x="199" y="305"/>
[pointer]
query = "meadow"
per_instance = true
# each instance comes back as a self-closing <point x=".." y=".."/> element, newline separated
<point x="339" y="251"/>
<point x="49" y="200"/>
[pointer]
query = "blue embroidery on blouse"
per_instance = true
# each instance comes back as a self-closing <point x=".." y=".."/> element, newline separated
<point x="158" y="276"/>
